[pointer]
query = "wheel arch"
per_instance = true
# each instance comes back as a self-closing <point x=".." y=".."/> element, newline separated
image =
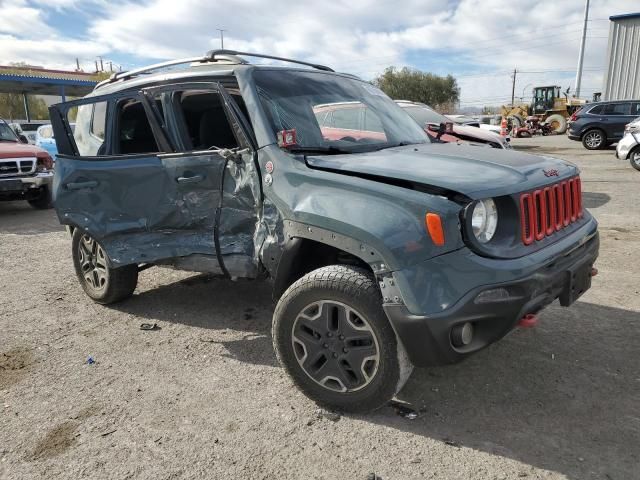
<point x="301" y="255"/>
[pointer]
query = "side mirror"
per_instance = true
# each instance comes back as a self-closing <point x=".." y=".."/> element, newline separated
<point x="23" y="139"/>
<point x="433" y="127"/>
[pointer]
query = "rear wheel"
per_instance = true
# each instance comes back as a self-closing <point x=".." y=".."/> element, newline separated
<point x="594" y="139"/>
<point x="634" y="158"/>
<point x="103" y="283"/>
<point x="333" y="338"/>
<point x="557" y="122"/>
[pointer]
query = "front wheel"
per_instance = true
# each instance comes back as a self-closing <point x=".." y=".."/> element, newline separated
<point x="42" y="201"/>
<point x="557" y="122"/>
<point x="634" y="158"/>
<point x="100" y="281"/>
<point x="333" y="338"/>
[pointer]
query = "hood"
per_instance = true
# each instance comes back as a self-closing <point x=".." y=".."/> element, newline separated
<point x="472" y="171"/>
<point x="17" y="150"/>
<point x="476" y="132"/>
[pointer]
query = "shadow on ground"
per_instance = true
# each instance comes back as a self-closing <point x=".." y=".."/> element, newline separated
<point x="209" y="302"/>
<point x="20" y="218"/>
<point x="563" y="396"/>
<point x="594" y="200"/>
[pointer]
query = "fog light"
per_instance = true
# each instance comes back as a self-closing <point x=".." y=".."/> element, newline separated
<point x="461" y="335"/>
<point x="493" y="295"/>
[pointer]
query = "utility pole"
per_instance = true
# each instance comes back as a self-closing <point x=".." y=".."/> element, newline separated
<point x="581" y="54"/>
<point x="77" y="65"/>
<point x="110" y="66"/>
<point x="221" y="37"/>
<point x="101" y="65"/>
<point x="513" y="87"/>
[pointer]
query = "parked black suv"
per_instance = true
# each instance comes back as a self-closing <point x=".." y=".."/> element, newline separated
<point x="600" y="124"/>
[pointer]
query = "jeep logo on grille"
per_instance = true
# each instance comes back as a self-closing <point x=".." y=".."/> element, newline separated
<point x="550" y="173"/>
<point x="2" y="169"/>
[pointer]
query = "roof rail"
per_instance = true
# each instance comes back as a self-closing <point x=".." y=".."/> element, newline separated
<point x="212" y="54"/>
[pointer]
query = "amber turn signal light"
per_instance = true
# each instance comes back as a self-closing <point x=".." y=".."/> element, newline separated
<point x="434" y="227"/>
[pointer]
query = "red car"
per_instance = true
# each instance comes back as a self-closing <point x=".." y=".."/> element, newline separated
<point x="432" y="122"/>
<point x="26" y="171"/>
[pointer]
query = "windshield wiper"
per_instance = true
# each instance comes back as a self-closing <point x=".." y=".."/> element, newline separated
<point x="325" y="150"/>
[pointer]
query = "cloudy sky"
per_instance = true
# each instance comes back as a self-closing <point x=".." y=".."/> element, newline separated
<point x="478" y="41"/>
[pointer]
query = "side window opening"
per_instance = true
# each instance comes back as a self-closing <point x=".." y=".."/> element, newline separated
<point x="89" y="134"/>
<point x="133" y="131"/>
<point x="206" y="122"/>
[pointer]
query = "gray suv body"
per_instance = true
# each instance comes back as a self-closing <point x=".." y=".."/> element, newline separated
<point x="384" y="250"/>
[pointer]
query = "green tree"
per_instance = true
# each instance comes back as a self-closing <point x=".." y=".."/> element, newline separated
<point x="12" y="107"/>
<point x="410" y="84"/>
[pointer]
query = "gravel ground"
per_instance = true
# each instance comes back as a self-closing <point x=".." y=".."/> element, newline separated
<point x="203" y="397"/>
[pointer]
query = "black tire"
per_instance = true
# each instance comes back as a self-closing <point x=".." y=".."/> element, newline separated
<point x="594" y="139"/>
<point x="356" y="290"/>
<point x="44" y="201"/>
<point x="634" y="158"/>
<point x="516" y="121"/>
<point x="557" y="122"/>
<point x="101" y="282"/>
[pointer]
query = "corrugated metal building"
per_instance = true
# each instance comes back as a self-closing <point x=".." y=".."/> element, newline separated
<point x="622" y="78"/>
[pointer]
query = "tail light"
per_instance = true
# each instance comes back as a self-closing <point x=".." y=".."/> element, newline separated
<point x="574" y="116"/>
<point x="45" y="162"/>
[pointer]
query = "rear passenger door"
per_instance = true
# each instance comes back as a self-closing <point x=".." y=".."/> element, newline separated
<point x="123" y="178"/>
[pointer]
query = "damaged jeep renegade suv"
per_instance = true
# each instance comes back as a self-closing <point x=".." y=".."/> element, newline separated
<point x="384" y="250"/>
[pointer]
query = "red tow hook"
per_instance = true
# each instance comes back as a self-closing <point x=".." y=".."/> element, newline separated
<point x="528" y="321"/>
<point x="594" y="271"/>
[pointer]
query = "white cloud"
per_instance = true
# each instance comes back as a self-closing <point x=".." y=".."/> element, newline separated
<point x="487" y="38"/>
<point x="18" y="19"/>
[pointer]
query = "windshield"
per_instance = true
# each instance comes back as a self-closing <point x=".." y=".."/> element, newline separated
<point x="331" y="113"/>
<point x="6" y="133"/>
<point x="424" y="115"/>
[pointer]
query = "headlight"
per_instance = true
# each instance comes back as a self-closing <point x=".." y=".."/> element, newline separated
<point x="484" y="220"/>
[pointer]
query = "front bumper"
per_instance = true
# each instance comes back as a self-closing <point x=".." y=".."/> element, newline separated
<point x="16" y="188"/>
<point x="628" y="143"/>
<point x="427" y="337"/>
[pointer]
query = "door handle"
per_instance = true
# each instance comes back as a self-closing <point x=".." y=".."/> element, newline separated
<point x="81" y="185"/>
<point x="192" y="179"/>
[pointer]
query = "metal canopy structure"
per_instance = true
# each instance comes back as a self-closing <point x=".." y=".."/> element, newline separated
<point x="45" y="82"/>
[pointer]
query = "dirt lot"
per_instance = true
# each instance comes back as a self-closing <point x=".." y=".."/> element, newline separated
<point x="203" y="397"/>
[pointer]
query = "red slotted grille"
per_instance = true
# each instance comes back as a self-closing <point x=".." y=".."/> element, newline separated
<point x="546" y="211"/>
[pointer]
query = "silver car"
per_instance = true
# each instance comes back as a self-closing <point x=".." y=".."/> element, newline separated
<point x="629" y="147"/>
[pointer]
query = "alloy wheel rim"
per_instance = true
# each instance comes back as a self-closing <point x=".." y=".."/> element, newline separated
<point x="93" y="263"/>
<point x="593" y="139"/>
<point x="335" y="346"/>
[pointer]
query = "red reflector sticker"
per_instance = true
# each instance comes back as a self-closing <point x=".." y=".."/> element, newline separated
<point x="287" y="138"/>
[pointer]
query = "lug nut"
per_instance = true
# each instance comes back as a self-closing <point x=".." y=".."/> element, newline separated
<point x="335" y="355"/>
<point x="325" y="346"/>
<point x="341" y="337"/>
<point x="344" y="350"/>
<point x="329" y="334"/>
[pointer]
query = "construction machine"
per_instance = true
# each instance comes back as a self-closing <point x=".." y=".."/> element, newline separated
<point x="548" y="105"/>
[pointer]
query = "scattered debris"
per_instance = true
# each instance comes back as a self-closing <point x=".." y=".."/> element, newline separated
<point x="415" y="460"/>
<point x="90" y="360"/>
<point x="373" y="476"/>
<point x="333" y="416"/>
<point x="404" y="409"/>
<point x="108" y="433"/>
<point x="149" y="326"/>
<point x="452" y="443"/>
